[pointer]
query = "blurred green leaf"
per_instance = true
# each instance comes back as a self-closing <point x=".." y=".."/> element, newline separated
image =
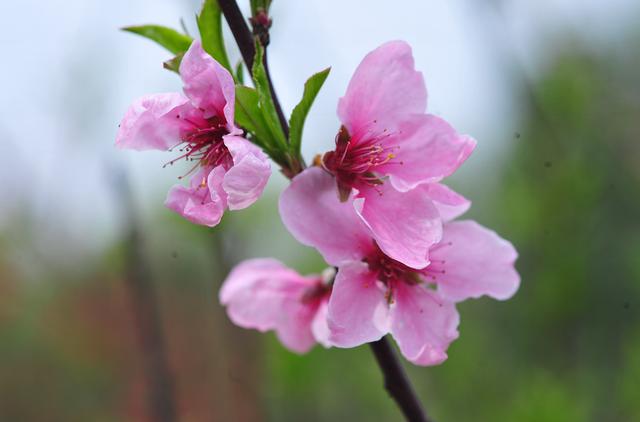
<point x="210" y="27"/>
<point x="169" y="38"/>
<point x="299" y="114"/>
<point x="266" y="104"/>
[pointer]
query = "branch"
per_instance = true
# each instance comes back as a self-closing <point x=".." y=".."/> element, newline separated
<point x="397" y="383"/>
<point x="239" y="29"/>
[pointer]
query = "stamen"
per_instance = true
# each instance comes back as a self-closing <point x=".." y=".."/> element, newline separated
<point x="355" y="160"/>
<point x="190" y="172"/>
<point x="203" y="145"/>
<point x="390" y="271"/>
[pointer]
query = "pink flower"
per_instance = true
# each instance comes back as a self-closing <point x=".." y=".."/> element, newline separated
<point x="265" y="295"/>
<point x="374" y="294"/>
<point x="387" y="146"/>
<point x="229" y="171"/>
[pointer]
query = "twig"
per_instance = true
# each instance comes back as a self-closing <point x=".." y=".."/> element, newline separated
<point x="240" y="30"/>
<point x="397" y="383"/>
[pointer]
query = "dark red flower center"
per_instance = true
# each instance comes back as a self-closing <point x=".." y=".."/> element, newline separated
<point x="317" y="292"/>
<point x="388" y="270"/>
<point x="391" y="272"/>
<point x="204" y="145"/>
<point x="354" y="161"/>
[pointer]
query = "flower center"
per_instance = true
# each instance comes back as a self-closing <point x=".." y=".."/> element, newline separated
<point x="354" y="162"/>
<point x="316" y="292"/>
<point x="204" y="145"/>
<point x="389" y="270"/>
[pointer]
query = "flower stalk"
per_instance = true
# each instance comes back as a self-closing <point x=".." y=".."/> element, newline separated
<point x="397" y="383"/>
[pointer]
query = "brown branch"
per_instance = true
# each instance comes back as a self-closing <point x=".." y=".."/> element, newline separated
<point x="397" y="383"/>
<point x="240" y="30"/>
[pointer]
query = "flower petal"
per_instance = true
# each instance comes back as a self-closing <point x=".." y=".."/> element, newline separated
<point x="472" y="261"/>
<point x="294" y="326"/>
<point x="319" y="325"/>
<point x="244" y="275"/>
<point x="358" y="312"/>
<point x="245" y="181"/>
<point x="201" y="203"/>
<point x="153" y="122"/>
<point x="404" y="224"/>
<point x="383" y="90"/>
<point x="312" y="212"/>
<point x="428" y="150"/>
<point x="423" y="324"/>
<point x="449" y="203"/>
<point x="265" y="295"/>
<point x="208" y="84"/>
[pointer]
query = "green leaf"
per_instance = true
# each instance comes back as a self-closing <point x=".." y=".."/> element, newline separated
<point x="174" y="63"/>
<point x="267" y="107"/>
<point x="169" y="38"/>
<point x="248" y="114"/>
<point x="210" y="27"/>
<point x="299" y="114"/>
<point x="240" y="73"/>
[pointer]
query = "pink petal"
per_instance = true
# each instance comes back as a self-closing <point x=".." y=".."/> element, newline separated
<point x="208" y="84"/>
<point x="384" y="89"/>
<point x="294" y="327"/>
<point x="153" y="122"/>
<point x="357" y="311"/>
<point x="245" y="274"/>
<point x="472" y="261"/>
<point x="449" y="203"/>
<point x="319" y="325"/>
<point x="245" y="181"/>
<point x="312" y="212"/>
<point x="404" y="224"/>
<point x="428" y="150"/>
<point x="203" y="202"/>
<point x="265" y="295"/>
<point x="423" y="324"/>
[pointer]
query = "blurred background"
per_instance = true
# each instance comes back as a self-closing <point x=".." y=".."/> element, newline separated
<point x="551" y="91"/>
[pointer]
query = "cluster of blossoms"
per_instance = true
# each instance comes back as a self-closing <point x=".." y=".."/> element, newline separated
<point x="228" y="171"/>
<point x="374" y="208"/>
